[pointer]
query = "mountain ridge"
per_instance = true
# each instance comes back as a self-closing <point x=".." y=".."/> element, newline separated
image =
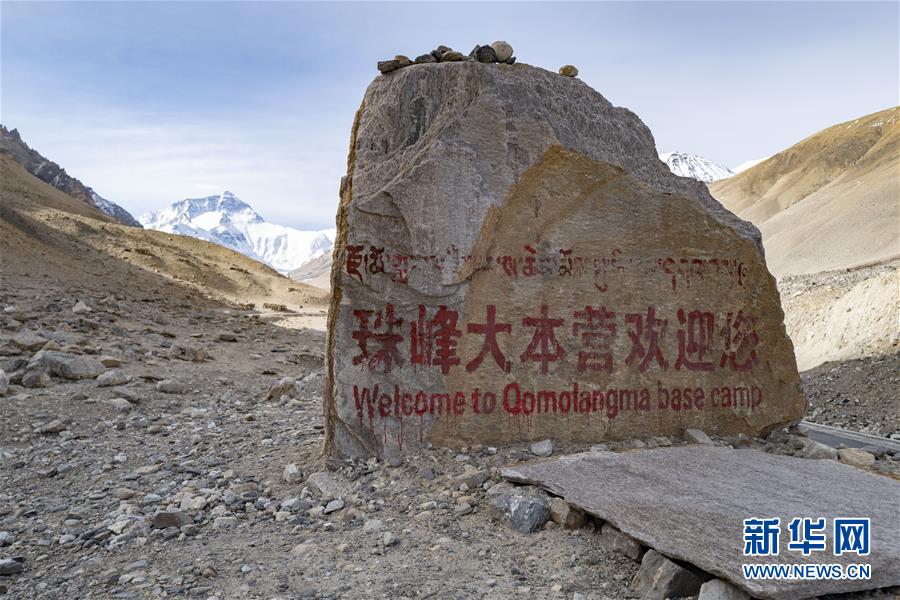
<point x="827" y="202"/>
<point x="49" y="172"/>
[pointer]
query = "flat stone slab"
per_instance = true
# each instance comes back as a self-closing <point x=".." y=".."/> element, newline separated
<point x="689" y="503"/>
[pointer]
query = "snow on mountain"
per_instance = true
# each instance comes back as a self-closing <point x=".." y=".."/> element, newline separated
<point x="748" y="164"/>
<point x="228" y="221"/>
<point x="695" y="166"/>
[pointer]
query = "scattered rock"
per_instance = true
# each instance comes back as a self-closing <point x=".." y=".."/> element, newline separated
<point x="292" y="474"/>
<point x="386" y="66"/>
<point x="568" y="71"/>
<point x="856" y="457"/>
<point x="286" y="386"/>
<point x="114" y="377"/>
<point x="817" y="450"/>
<point x="81" y="308"/>
<point x="110" y="362"/>
<point x="717" y="589"/>
<point x="35" y="378"/>
<point x="6" y="539"/>
<point x="54" y="426"/>
<point x="228" y="336"/>
<point x="120" y="404"/>
<point x="327" y="485"/>
<point x="566" y="515"/>
<point x="333" y="506"/>
<point x="425" y="59"/>
<point x="543" y="448"/>
<point x="614" y="540"/>
<point x="485" y="54"/>
<point x="4" y="382"/>
<point x="10" y="566"/>
<point x="502" y="51"/>
<point x="660" y="578"/>
<point x="696" y="436"/>
<point x="171" y="386"/>
<point x="188" y="353"/>
<point x="452" y="56"/>
<point x="70" y="366"/>
<point x="171" y="518"/>
<point x="523" y="509"/>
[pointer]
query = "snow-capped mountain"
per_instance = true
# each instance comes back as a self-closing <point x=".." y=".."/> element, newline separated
<point x="227" y="220"/>
<point x="695" y="166"/>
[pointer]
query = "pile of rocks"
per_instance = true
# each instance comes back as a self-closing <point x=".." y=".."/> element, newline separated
<point x="498" y="52"/>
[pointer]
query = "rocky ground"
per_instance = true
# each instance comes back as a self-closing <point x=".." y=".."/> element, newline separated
<point x="861" y="395"/>
<point x="152" y="449"/>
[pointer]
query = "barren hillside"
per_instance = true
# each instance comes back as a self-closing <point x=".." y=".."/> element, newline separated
<point x="46" y="233"/>
<point x="828" y="202"/>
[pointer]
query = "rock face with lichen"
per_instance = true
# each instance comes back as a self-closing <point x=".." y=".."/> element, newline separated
<point x="514" y="262"/>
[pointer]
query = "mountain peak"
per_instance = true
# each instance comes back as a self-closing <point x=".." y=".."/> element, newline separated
<point x="229" y="221"/>
<point x="695" y="166"/>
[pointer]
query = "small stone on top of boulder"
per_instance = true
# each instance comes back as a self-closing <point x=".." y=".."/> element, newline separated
<point x="568" y="71"/>
<point x="498" y="52"/>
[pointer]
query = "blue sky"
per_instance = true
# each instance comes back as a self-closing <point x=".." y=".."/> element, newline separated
<point x="157" y="101"/>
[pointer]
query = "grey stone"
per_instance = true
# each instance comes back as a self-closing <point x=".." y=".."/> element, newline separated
<point x="439" y="51"/>
<point x="4" y="382"/>
<point x="70" y="366"/>
<point x="171" y="386"/>
<point x="35" y="378"/>
<point x="687" y="502"/>
<point x="292" y="474"/>
<point x="286" y="386"/>
<point x="9" y="566"/>
<point x="188" y="353"/>
<point x="28" y="340"/>
<point x="328" y="485"/>
<point x="224" y="522"/>
<point x="696" y="436"/>
<point x="333" y="506"/>
<point x="120" y="404"/>
<point x="81" y="308"/>
<point x="171" y="518"/>
<point x="614" y="540"/>
<point x="425" y="58"/>
<point x="6" y="539"/>
<point x="485" y="54"/>
<point x="114" y="377"/>
<point x="817" y="450"/>
<point x="716" y="589"/>
<point x="521" y="509"/>
<point x="543" y="448"/>
<point x="417" y="188"/>
<point x="502" y="51"/>
<point x="452" y="56"/>
<point x="660" y="578"/>
<point x="54" y="426"/>
<point x="386" y="66"/>
<point x="856" y="457"/>
<point x="565" y="515"/>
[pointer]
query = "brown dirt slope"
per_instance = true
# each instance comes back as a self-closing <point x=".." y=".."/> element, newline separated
<point x="47" y="233"/>
<point x="828" y="202"/>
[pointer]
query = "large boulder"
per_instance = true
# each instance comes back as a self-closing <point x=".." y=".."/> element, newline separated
<point x="513" y="262"/>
